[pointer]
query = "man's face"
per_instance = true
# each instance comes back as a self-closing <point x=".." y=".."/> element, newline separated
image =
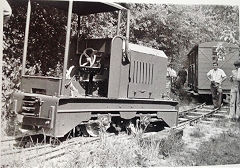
<point x="215" y="66"/>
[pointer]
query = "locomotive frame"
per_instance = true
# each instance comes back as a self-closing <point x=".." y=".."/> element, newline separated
<point x="125" y="86"/>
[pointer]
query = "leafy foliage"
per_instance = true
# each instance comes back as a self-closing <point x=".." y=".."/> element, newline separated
<point x="46" y="38"/>
<point x="172" y="28"/>
<point x="177" y="28"/>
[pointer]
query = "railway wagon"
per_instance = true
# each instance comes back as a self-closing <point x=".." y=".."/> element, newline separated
<point x="106" y="83"/>
<point x="200" y="60"/>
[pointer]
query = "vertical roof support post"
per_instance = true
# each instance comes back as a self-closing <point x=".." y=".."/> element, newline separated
<point x="79" y="24"/>
<point x="119" y="22"/>
<point x="1" y="50"/>
<point x="127" y="35"/>
<point x="128" y="25"/>
<point x="67" y="46"/>
<point x="26" y="38"/>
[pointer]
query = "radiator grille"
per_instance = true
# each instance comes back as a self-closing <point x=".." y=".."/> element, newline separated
<point x="30" y="106"/>
<point x="142" y="73"/>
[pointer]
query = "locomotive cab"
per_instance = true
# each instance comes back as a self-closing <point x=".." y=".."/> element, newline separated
<point x="89" y="67"/>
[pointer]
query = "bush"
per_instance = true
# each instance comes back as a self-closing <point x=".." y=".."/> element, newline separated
<point x="126" y="151"/>
<point x="197" y="133"/>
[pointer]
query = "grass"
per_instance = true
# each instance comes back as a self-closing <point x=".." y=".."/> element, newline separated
<point x="9" y="127"/>
<point x="219" y="150"/>
<point x="139" y="150"/>
<point x="126" y="152"/>
<point x="197" y="132"/>
<point x="3" y="127"/>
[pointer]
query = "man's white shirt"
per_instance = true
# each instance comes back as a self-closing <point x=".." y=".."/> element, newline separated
<point x="216" y="75"/>
<point x="171" y="72"/>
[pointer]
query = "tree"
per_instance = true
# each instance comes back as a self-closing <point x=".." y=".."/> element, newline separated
<point x="177" y="28"/>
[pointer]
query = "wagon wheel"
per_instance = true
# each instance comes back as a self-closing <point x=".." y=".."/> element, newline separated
<point x="87" y="58"/>
<point x="130" y="127"/>
<point x="93" y="128"/>
<point x="55" y="141"/>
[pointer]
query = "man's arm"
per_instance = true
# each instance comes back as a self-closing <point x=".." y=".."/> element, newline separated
<point x="209" y="76"/>
<point x="238" y="74"/>
<point x="174" y="73"/>
<point x="7" y="10"/>
<point x="224" y="77"/>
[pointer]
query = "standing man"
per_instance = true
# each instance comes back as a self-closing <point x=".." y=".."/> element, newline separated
<point x="181" y="77"/>
<point x="234" y="113"/>
<point x="171" y="77"/>
<point x="180" y="81"/>
<point x="171" y="73"/>
<point x="216" y="76"/>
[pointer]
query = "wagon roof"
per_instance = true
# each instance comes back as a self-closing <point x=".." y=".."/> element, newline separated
<point x="216" y="43"/>
<point x="213" y="44"/>
<point x="83" y="7"/>
<point x="147" y="50"/>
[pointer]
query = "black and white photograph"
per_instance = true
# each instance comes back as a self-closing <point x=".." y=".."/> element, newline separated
<point x="119" y="83"/>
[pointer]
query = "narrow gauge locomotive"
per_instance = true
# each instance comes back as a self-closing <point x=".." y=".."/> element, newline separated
<point x="106" y="83"/>
<point x="200" y="60"/>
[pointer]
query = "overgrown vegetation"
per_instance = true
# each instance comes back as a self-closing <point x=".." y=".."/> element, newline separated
<point x="197" y="132"/>
<point x="218" y="150"/>
<point x="169" y="151"/>
<point x="126" y="152"/>
<point x="141" y="150"/>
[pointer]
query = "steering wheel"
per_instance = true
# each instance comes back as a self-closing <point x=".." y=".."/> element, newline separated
<point x="88" y="57"/>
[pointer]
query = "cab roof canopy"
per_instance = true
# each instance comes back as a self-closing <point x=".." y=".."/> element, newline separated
<point x="82" y="7"/>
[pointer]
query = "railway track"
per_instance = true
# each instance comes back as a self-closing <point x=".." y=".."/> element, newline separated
<point x="18" y="144"/>
<point x="66" y="148"/>
<point x="61" y="149"/>
<point x="201" y="113"/>
<point x="48" y="151"/>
